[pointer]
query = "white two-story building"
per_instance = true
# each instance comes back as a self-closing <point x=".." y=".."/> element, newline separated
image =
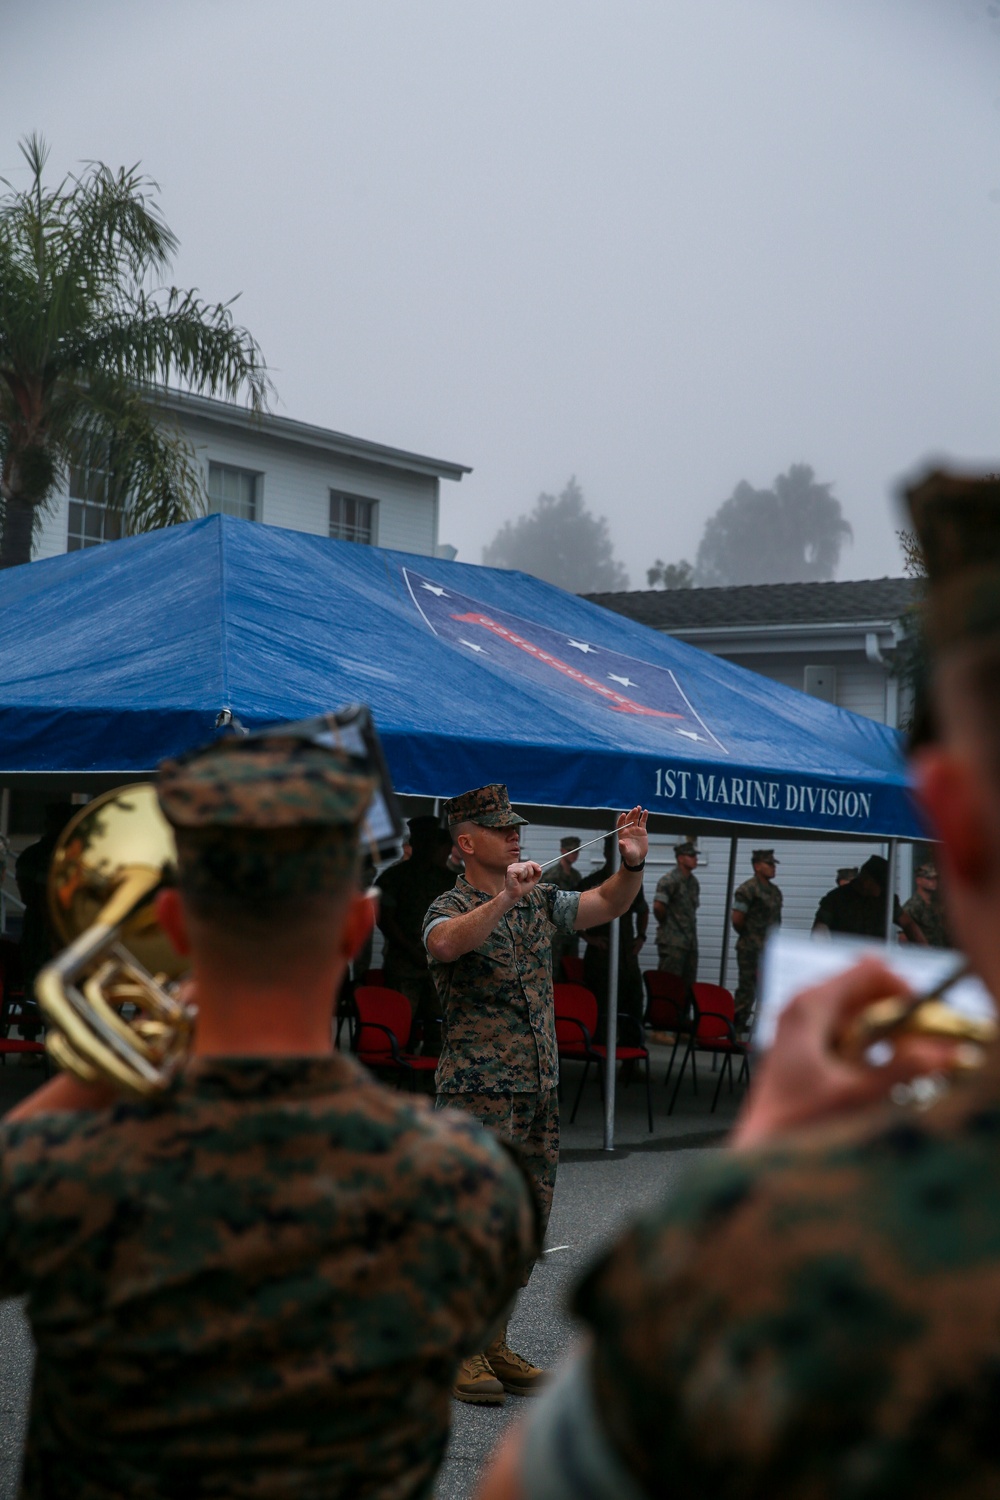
<point x="283" y="473"/>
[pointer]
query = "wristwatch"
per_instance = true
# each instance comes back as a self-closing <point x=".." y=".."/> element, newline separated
<point x="633" y="869"/>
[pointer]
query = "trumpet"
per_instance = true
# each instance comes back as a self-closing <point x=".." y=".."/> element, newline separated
<point x="923" y="1015"/>
<point x="111" y="996"/>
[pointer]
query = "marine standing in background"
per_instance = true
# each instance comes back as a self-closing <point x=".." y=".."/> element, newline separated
<point x="632" y="928"/>
<point x="675" y="907"/>
<point x="925" y="908"/>
<point x="756" y="909"/>
<point x="565" y="878"/>
<point x="858" y="909"/>
<point x="489" y="942"/>
<point x="408" y="889"/>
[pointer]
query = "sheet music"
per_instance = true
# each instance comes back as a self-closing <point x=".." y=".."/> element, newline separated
<point x="794" y="961"/>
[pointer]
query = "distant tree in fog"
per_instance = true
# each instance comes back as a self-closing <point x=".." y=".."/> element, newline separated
<point x="561" y="542"/>
<point x="792" y="533"/>
<point x="670" y="575"/>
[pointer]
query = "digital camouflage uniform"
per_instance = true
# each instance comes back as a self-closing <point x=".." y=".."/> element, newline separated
<point x="855" y="1354"/>
<point x="677" y="934"/>
<point x="499" y="1060"/>
<point x="260" y="1282"/>
<point x="761" y="904"/>
<point x="259" y="1285"/>
<point x="929" y="917"/>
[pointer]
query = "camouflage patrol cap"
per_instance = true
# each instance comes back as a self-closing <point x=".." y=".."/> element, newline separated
<point x="688" y="847"/>
<point x="489" y="806"/>
<point x="957" y="521"/>
<point x="569" y="843"/>
<point x="264" y="818"/>
<point x="927" y="869"/>
<point x="763" y="857"/>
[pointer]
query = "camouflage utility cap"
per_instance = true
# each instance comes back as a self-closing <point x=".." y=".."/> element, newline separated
<point x="567" y="845"/>
<point x="686" y="848"/>
<point x="489" y="806"/>
<point x="264" y="819"/>
<point x="763" y="857"/>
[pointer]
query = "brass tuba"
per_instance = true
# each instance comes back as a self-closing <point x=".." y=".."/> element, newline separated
<point x="110" y="996"/>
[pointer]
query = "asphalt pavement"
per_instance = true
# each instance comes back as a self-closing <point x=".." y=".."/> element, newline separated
<point x="596" y="1191"/>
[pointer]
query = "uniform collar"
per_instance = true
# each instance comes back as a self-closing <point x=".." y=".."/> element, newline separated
<point x="268" y="1077"/>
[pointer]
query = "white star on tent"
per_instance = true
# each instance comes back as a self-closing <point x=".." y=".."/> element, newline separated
<point x="432" y="588"/>
<point x="473" y="647"/>
<point x="625" y="681"/>
<point x="580" y="646"/>
<point x="689" y="734"/>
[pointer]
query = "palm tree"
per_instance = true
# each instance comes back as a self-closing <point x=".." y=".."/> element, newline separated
<point x="87" y="336"/>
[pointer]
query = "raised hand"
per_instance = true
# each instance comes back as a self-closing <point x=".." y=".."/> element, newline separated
<point x="633" y="840"/>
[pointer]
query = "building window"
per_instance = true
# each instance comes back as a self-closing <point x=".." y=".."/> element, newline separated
<point x="233" y="492"/>
<point x="90" y="520"/>
<point x="352" y="518"/>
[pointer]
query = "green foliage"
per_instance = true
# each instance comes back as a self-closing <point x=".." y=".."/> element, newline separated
<point x="88" y="337"/>
<point x="561" y="542"/>
<point x="792" y="533"/>
<point x="670" y="575"/>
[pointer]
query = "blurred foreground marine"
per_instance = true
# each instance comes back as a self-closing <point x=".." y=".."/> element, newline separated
<point x="675" y="908"/>
<point x="858" y="909"/>
<point x="757" y="907"/>
<point x="489" y="946"/>
<point x="260" y="1282"/>
<point x="816" y="1314"/>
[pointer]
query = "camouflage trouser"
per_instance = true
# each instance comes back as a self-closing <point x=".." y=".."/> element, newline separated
<point x="682" y="960"/>
<point x="747" y="962"/>
<point x="528" y="1121"/>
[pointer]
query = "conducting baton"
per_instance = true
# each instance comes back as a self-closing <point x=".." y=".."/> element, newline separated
<point x="623" y="829"/>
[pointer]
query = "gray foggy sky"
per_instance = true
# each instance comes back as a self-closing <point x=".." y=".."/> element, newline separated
<point x="661" y="244"/>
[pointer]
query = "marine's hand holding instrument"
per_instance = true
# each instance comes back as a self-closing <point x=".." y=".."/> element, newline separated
<point x="110" y="861"/>
<point x="924" y="1015"/>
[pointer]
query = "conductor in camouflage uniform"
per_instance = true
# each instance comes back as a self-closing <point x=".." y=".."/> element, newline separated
<point x="489" y="943"/>
<point x="756" y="909"/>
<point x="854" y="1356"/>
<point x="675" y="908"/>
<point x="260" y="1282"/>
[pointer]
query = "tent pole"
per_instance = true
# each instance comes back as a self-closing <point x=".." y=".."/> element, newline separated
<point x="890" y="894"/>
<point x="730" y="887"/>
<point x="611" y="1037"/>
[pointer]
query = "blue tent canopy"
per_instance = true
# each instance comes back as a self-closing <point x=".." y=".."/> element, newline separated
<point x="114" y="657"/>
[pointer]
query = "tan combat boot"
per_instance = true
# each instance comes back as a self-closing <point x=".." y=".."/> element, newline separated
<point x="514" y="1372"/>
<point x="476" y="1383"/>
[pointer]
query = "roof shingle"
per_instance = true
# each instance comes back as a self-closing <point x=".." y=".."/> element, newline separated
<point x="766" y="604"/>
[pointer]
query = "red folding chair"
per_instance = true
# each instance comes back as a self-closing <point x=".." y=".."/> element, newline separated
<point x="572" y="967"/>
<point x="714" y="1032"/>
<point x="383" y="1033"/>
<point x="668" y="1008"/>
<point x="576" y="1023"/>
